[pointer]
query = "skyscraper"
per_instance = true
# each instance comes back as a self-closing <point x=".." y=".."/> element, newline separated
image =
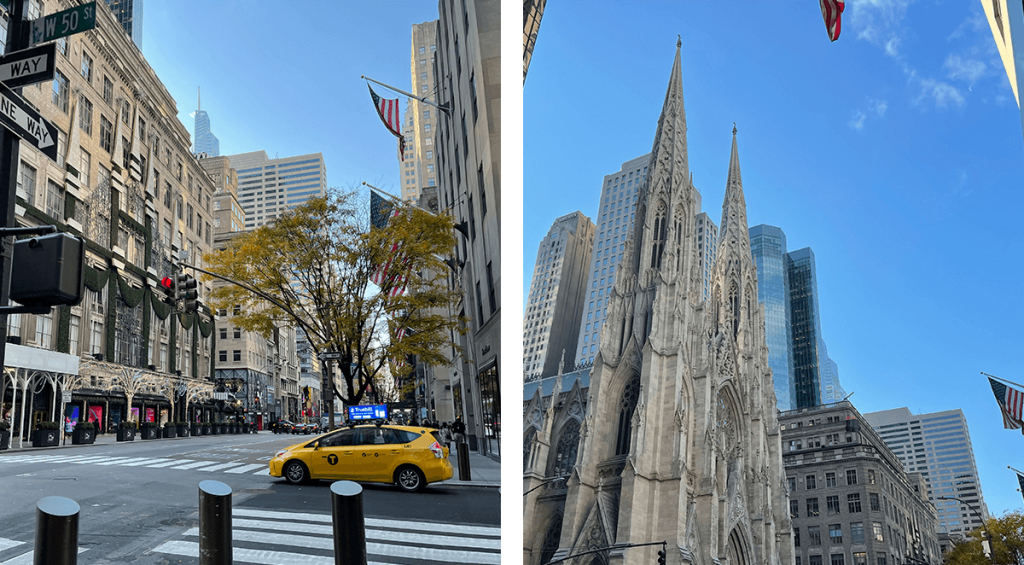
<point x="269" y="187"/>
<point x="557" y="295"/>
<point x="421" y="120"/>
<point x="205" y="141"/>
<point x="937" y="445"/>
<point x="129" y="15"/>
<point x="614" y="220"/>
<point x="707" y="247"/>
<point x="533" y="11"/>
<point x="803" y="302"/>
<point x="768" y="245"/>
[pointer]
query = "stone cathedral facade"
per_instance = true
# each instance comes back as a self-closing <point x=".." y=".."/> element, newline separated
<point x="679" y="439"/>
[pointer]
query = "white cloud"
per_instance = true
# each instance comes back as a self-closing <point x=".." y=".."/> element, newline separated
<point x="967" y="70"/>
<point x="880" y="106"/>
<point x="872" y="108"/>
<point x="942" y="93"/>
<point x="892" y="47"/>
<point x="857" y="120"/>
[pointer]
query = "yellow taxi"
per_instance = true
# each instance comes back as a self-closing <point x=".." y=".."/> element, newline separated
<point x="410" y="457"/>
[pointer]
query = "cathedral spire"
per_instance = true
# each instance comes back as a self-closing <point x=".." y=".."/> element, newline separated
<point x="734" y="210"/>
<point x="668" y="157"/>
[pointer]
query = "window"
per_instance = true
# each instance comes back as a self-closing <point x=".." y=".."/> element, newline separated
<point x="108" y="91"/>
<point x="871" y="476"/>
<point x="238" y="355"/>
<point x="126" y="112"/>
<point x="422" y="50"/>
<point x="792" y="480"/>
<point x="881" y="559"/>
<point x="430" y="154"/>
<point x="84" y="164"/>
<point x="794" y="508"/>
<point x="60" y="91"/>
<point x="851" y="477"/>
<point x="837" y="559"/>
<point x="224" y="335"/>
<point x="835" y="533"/>
<point x="223" y="357"/>
<point x="142" y="129"/>
<point x="853" y="500"/>
<point x="106" y="134"/>
<point x="830" y="480"/>
<point x="472" y="93"/>
<point x="876" y="531"/>
<point x="85" y="114"/>
<point x="857" y="532"/>
<point x="27" y="183"/>
<point x="813" y="535"/>
<point x="87" y="66"/>
<point x="812" y="507"/>
<point x="809" y="482"/>
<point x="55" y="200"/>
<point x="76" y="322"/>
<point x="62" y="46"/>
<point x="874" y="501"/>
<point x="814" y="559"/>
<point x="238" y="333"/>
<point x="796" y="537"/>
<point x="44" y="330"/>
<point x="833" y="504"/>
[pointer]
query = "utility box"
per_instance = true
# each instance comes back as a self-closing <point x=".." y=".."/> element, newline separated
<point x="48" y="270"/>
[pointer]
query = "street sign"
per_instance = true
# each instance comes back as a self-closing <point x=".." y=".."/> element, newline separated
<point x="327" y="355"/>
<point x="62" y="24"/>
<point x="30" y="66"/>
<point x="18" y="117"/>
<point x="65" y="397"/>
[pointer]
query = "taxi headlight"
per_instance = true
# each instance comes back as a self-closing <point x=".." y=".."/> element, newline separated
<point x="280" y="453"/>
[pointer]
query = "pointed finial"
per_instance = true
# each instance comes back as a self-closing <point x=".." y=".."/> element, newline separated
<point x="561" y="363"/>
<point x="734" y="128"/>
<point x="679" y="42"/>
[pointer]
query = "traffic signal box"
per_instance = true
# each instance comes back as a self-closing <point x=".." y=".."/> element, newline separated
<point x="167" y="293"/>
<point x="186" y="291"/>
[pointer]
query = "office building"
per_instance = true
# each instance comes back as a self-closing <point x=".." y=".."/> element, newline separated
<point x="831" y="389"/>
<point x="418" y="167"/>
<point x="850" y="499"/>
<point x="557" y="296"/>
<point x="768" y="245"/>
<point x="468" y="155"/>
<point x="1006" y="18"/>
<point x="533" y="11"/>
<point x="268" y="187"/>
<point x="614" y="219"/>
<point x="128" y="14"/>
<point x="205" y="142"/>
<point x="228" y="215"/>
<point x="707" y="247"/>
<point x="938" y="446"/>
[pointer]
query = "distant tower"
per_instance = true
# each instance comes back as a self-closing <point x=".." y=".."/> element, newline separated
<point x="205" y="141"/>
<point x="768" y="244"/>
<point x="129" y="15"/>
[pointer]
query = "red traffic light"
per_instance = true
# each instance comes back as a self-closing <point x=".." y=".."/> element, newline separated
<point x="167" y="282"/>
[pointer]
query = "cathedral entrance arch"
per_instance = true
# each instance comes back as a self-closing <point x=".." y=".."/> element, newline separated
<point x="736" y="551"/>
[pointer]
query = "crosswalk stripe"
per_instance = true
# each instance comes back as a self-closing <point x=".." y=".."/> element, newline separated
<point x="26" y="558"/>
<point x="169" y="463"/>
<point x="371" y="533"/>
<point x="245" y="468"/>
<point x="219" y="467"/>
<point x="122" y="461"/>
<point x="263" y="472"/>
<point x="445" y="553"/>
<point x="194" y="465"/>
<point x="147" y="462"/>
<point x="260" y="557"/>
<point x="9" y="543"/>
<point x="432" y="527"/>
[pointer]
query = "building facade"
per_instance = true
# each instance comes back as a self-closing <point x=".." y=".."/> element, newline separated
<point x="268" y="187"/>
<point x="707" y="246"/>
<point x="768" y="244"/>
<point x="533" y="11"/>
<point x="850" y="499"/>
<point x="1006" y="18"/>
<point x="557" y="296"/>
<point x="614" y="221"/>
<point x="128" y="14"/>
<point x="418" y="168"/>
<point x="938" y="446"/>
<point x="680" y="440"/>
<point x="468" y="144"/>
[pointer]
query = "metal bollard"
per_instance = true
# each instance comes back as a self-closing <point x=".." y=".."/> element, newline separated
<point x="56" y="531"/>
<point x="214" y="523"/>
<point x="463" y="449"/>
<point x="349" y="527"/>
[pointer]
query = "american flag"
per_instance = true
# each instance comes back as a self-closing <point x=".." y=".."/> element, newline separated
<point x="1011" y="404"/>
<point x="381" y="212"/>
<point x="832" y="11"/>
<point x="1020" y="480"/>
<point x="387" y="109"/>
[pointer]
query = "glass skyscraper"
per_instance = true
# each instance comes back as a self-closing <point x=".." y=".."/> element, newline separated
<point x="205" y="141"/>
<point x="768" y="245"/>
<point x="129" y="15"/>
<point x="803" y="306"/>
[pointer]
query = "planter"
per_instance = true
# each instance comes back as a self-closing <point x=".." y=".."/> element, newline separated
<point x="182" y="431"/>
<point x="126" y="434"/>
<point x="207" y="429"/>
<point x="231" y="428"/>
<point x="149" y="433"/>
<point x="5" y="439"/>
<point x="45" y="438"/>
<point x="215" y="429"/>
<point x="197" y="430"/>
<point x="82" y="436"/>
<point x="170" y="432"/>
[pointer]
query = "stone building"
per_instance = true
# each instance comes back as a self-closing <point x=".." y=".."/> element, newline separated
<point x="126" y="181"/>
<point x="680" y="442"/>
<point x="418" y="167"/>
<point x="850" y="500"/>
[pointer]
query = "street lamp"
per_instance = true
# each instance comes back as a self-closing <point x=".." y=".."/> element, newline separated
<point x="985" y="546"/>
<point x="546" y="482"/>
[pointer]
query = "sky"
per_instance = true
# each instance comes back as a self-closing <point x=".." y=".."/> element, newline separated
<point x="895" y="153"/>
<point x="286" y="81"/>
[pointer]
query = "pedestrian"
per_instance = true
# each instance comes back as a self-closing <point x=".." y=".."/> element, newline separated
<point x="460" y="430"/>
<point x="446" y="436"/>
<point x="413" y="422"/>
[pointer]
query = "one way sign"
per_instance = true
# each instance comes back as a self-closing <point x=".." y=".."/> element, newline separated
<point x="30" y="66"/>
<point x="18" y="117"/>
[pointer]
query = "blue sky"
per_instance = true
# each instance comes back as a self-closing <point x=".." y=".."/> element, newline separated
<point x="284" y="77"/>
<point x="895" y="153"/>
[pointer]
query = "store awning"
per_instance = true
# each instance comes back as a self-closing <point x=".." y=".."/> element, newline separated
<point x="36" y="359"/>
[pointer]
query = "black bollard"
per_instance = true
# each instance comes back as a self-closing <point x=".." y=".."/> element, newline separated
<point x="214" y="523"/>
<point x="463" y="449"/>
<point x="349" y="527"/>
<point x="56" y="531"/>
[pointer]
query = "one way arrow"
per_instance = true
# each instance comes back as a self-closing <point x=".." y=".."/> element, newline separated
<point x="18" y="117"/>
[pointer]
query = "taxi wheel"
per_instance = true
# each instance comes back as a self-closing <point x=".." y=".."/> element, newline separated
<point x="410" y="479"/>
<point x="295" y="472"/>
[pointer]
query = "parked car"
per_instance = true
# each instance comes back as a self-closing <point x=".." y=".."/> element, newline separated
<point x="283" y="427"/>
<point x="407" y="457"/>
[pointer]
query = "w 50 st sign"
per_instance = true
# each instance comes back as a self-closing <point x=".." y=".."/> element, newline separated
<point x="69" y="22"/>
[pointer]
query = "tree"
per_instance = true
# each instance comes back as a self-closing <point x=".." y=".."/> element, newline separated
<point x="1006" y="536"/>
<point x="313" y="269"/>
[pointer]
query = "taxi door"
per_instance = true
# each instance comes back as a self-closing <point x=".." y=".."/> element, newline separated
<point x="375" y="457"/>
<point x="334" y="457"/>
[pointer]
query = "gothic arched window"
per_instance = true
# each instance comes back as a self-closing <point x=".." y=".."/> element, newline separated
<point x="527" y="446"/>
<point x="627" y="404"/>
<point x="659" y="235"/>
<point x="734" y="303"/>
<point x="568" y="444"/>
<point x="678" y="227"/>
<point x="551" y="540"/>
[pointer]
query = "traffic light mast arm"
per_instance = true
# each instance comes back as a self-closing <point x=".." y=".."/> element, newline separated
<point x="609" y="548"/>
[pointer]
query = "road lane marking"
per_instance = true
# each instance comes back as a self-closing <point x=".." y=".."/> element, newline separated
<point x="9" y="543"/>
<point x="194" y="465"/>
<point x="373" y="522"/>
<point x="263" y="472"/>
<point x="246" y="468"/>
<point x="219" y="467"/>
<point x="147" y="462"/>
<point x="371" y="533"/>
<point x="123" y="461"/>
<point x="168" y="464"/>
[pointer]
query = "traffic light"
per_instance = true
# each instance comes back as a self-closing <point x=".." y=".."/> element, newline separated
<point x="661" y="557"/>
<point x="185" y="290"/>
<point x="167" y="293"/>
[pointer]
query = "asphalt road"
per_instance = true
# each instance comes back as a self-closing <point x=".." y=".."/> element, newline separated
<point x="139" y="504"/>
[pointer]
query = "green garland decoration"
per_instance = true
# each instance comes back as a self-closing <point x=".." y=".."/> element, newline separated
<point x="128" y="219"/>
<point x="95" y="279"/>
<point x="147" y="292"/>
<point x="99" y="249"/>
<point x="172" y="349"/>
<point x="64" y="329"/>
<point x="111" y="315"/>
<point x="205" y="328"/>
<point x="132" y="297"/>
<point x="115" y="209"/>
<point x="186" y="320"/>
<point x="69" y="205"/>
<point x="159" y="308"/>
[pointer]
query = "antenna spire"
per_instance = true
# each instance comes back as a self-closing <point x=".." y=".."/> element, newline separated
<point x="199" y="95"/>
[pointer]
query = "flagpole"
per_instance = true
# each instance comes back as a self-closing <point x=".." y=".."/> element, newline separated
<point x="444" y="109"/>
<point x="1012" y="469"/>
<point x="1002" y="379"/>
<point x="393" y="198"/>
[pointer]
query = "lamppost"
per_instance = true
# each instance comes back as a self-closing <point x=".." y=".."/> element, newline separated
<point x="987" y="535"/>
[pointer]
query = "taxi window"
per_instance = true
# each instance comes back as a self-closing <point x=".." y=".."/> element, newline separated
<point x="369" y="436"/>
<point x="404" y="436"/>
<point x="339" y="439"/>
